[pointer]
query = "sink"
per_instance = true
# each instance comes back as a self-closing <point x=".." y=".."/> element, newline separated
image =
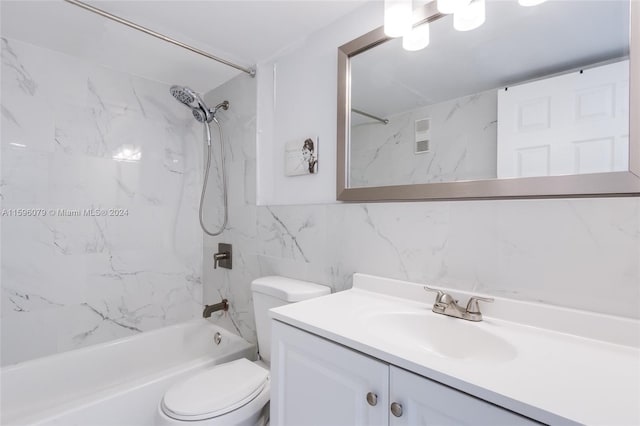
<point x="440" y="335"/>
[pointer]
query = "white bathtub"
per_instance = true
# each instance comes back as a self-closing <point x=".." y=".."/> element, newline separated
<point x="115" y="383"/>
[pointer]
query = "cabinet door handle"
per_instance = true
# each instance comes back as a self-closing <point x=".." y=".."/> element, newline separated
<point x="372" y="398"/>
<point x="396" y="409"/>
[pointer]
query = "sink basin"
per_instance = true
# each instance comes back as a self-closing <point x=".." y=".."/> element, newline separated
<point x="441" y="335"/>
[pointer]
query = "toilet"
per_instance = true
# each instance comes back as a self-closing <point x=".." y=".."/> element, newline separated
<point x="236" y="392"/>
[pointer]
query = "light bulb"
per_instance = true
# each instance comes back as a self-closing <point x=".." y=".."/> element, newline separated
<point x="450" y="6"/>
<point x="469" y="17"/>
<point x="417" y="39"/>
<point x="530" y="2"/>
<point x="398" y="16"/>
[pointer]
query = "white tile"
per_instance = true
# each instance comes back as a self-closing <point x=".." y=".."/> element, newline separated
<point x="28" y="335"/>
<point x="95" y="278"/>
<point x="25" y="180"/>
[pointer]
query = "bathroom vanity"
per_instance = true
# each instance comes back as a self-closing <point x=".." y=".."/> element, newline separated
<point x="377" y="355"/>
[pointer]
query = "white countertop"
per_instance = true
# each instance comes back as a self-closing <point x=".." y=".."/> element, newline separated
<point x="584" y="370"/>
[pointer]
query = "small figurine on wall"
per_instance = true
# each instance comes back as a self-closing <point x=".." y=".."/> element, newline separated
<point x="301" y="159"/>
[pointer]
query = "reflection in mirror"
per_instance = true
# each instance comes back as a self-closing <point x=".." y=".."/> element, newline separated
<point x="535" y="91"/>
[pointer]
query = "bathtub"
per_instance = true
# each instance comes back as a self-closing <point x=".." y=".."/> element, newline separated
<point x="114" y="383"/>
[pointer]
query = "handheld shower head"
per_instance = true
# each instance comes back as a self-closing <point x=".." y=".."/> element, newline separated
<point x="191" y="99"/>
<point x="201" y="115"/>
<point x="205" y="115"/>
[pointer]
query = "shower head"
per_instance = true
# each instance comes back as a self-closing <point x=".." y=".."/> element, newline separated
<point x="187" y="96"/>
<point x="184" y="95"/>
<point x="201" y="115"/>
<point x="192" y="100"/>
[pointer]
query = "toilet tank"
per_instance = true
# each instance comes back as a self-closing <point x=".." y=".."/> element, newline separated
<point x="274" y="291"/>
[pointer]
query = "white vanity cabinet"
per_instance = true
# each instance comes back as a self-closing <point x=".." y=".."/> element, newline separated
<point x="426" y="402"/>
<point x="319" y="382"/>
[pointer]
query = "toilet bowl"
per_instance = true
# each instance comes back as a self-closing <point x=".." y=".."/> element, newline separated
<point x="236" y="392"/>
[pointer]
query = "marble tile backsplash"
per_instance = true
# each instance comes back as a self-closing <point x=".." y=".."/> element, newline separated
<point x="576" y="253"/>
<point x="77" y="139"/>
<point x="462" y="144"/>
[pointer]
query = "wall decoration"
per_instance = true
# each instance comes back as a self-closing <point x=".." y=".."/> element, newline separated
<point x="301" y="157"/>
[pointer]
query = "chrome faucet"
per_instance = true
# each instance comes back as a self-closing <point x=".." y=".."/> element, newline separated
<point x="445" y="304"/>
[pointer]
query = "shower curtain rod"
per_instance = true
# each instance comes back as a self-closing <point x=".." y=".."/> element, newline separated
<point x="366" y="114"/>
<point x="250" y="71"/>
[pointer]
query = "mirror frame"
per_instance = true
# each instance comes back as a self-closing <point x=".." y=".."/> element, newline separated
<point x="612" y="184"/>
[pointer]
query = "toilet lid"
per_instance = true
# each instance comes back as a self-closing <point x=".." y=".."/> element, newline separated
<point x="216" y="391"/>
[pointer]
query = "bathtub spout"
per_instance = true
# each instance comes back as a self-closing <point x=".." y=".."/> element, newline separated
<point x="209" y="309"/>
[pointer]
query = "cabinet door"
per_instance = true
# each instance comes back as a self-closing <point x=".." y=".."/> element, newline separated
<point x="425" y="402"/>
<point x="318" y="382"/>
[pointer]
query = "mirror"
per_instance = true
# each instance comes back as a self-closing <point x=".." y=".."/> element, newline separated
<point x="534" y="103"/>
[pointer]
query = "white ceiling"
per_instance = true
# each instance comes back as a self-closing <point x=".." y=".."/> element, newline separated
<point x="244" y="32"/>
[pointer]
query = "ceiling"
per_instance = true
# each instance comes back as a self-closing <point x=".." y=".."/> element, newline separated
<point x="244" y="32"/>
<point x="514" y="45"/>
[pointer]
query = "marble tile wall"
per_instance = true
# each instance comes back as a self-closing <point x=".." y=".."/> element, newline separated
<point x="463" y="135"/>
<point x="78" y="136"/>
<point x="577" y="253"/>
<point x="239" y="130"/>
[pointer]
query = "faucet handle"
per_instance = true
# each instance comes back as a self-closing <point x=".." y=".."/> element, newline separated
<point x="218" y="257"/>
<point x="440" y="294"/>
<point x="223" y="258"/>
<point x="472" y="305"/>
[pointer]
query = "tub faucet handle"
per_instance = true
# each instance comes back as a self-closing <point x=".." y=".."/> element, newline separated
<point x="223" y="257"/>
<point x="218" y="257"/>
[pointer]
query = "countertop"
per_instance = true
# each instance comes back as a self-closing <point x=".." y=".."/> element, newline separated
<point x="563" y="366"/>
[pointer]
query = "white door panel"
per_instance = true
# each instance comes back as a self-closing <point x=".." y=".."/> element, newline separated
<point x="573" y="123"/>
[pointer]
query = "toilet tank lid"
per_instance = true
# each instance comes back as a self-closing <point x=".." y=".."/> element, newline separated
<point x="288" y="289"/>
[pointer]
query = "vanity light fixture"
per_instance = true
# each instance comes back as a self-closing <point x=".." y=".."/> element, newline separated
<point x="470" y="17"/>
<point x="450" y="6"/>
<point x="398" y="17"/>
<point x="417" y="39"/>
<point x="530" y="2"/>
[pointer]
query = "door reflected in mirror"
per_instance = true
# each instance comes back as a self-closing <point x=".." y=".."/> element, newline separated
<point x="535" y="91"/>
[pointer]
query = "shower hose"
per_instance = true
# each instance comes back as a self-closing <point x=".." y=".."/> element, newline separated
<point x="206" y="180"/>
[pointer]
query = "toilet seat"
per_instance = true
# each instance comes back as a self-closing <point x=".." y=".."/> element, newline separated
<point x="218" y="391"/>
